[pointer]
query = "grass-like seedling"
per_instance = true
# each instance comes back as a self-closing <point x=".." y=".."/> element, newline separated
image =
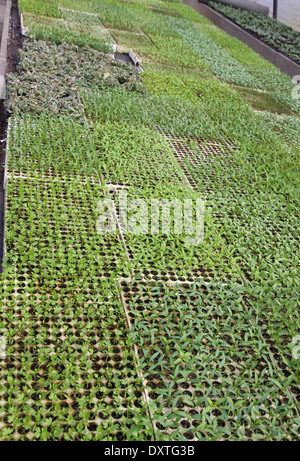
<point x="90" y="150"/>
<point x="69" y="371"/>
<point x="61" y="31"/>
<point x="172" y="114"/>
<point x="52" y="230"/>
<point x="209" y="370"/>
<point x="128" y="335"/>
<point x="85" y="6"/>
<point x="40" y="8"/>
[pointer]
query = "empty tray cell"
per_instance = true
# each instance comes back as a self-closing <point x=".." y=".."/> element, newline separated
<point x="208" y="165"/>
<point x="262" y="101"/>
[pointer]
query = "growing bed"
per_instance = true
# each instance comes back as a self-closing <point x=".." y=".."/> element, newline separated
<point x="119" y="336"/>
<point x="276" y="34"/>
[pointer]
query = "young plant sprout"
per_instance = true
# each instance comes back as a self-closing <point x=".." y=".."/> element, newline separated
<point x="116" y="324"/>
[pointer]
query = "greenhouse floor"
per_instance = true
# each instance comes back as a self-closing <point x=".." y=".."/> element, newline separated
<point x="119" y="323"/>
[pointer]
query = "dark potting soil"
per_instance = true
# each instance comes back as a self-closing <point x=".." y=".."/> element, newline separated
<point x="15" y="39"/>
<point x="124" y="57"/>
<point x="14" y="43"/>
<point x="3" y="128"/>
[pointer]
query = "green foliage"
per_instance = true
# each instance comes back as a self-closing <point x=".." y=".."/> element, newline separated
<point x="72" y="343"/>
<point x="77" y="5"/>
<point x="59" y="31"/>
<point x="237" y="49"/>
<point x="116" y="14"/>
<point x="51" y="77"/>
<point x="288" y="127"/>
<point x="180" y="331"/>
<point x="91" y="149"/>
<point x="172" y="114"/>
<point x="201" y="345"/>
<point x="40" y="7"/>
<point x="223" y="65"/>
<point x="269" y="30"/>
<point x="52" y="230"/>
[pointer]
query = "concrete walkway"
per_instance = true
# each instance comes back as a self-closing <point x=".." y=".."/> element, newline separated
<point x="5" y="6"/>
<point x="2" y="16"/>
